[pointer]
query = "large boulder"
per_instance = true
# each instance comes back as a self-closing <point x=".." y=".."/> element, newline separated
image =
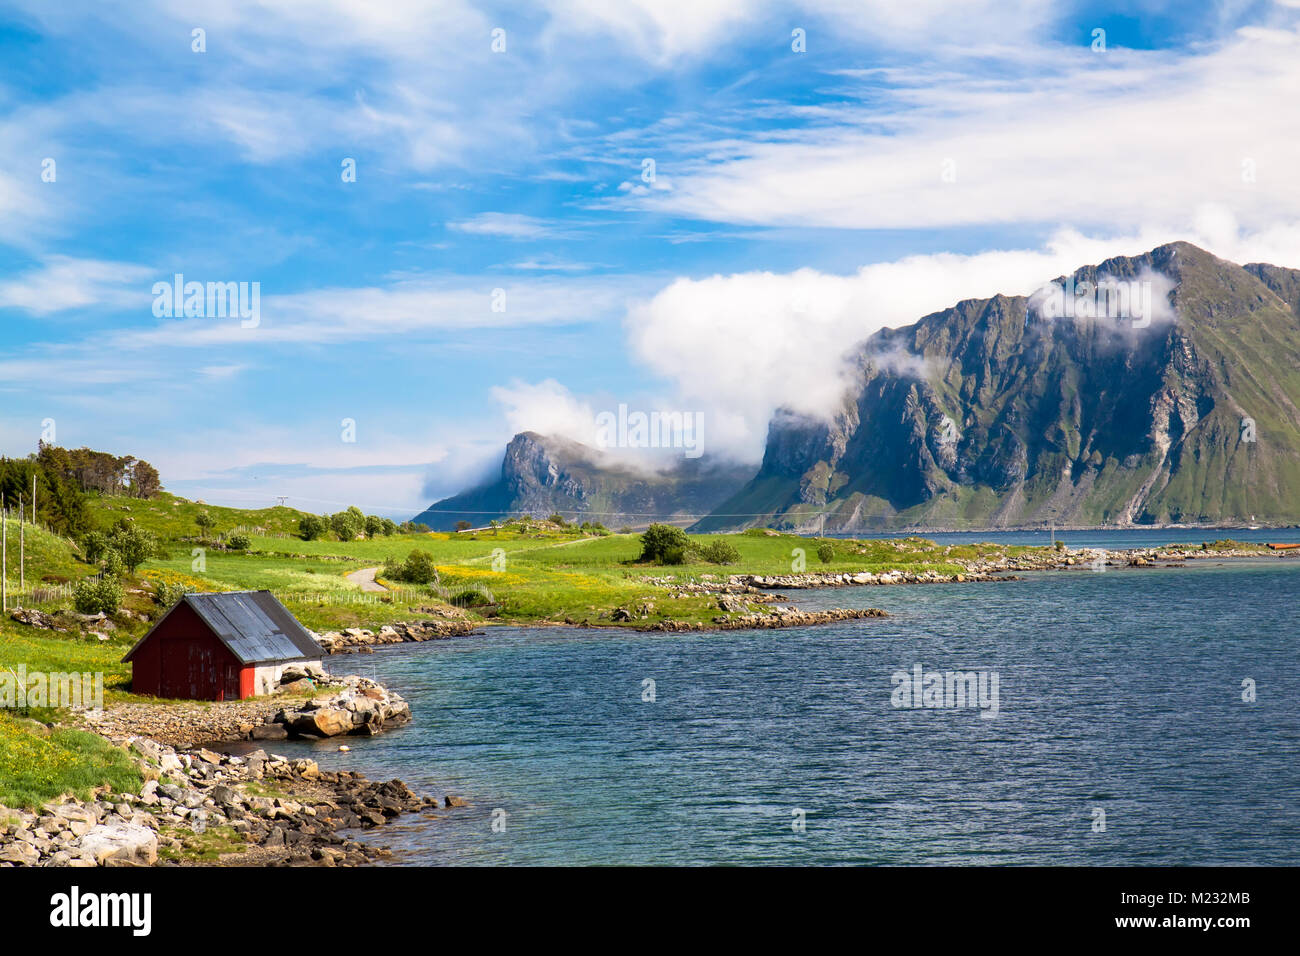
<point x="120" y="844"/>
<point x="322" y="722"/>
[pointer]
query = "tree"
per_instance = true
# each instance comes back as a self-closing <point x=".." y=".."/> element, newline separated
<point x="311" y="527"/>
<point x="662" y="542"/>
<point x="374" y="526"/>
<point x="463" y="525"/>
<point x="348" y="524"/>
<point x="145" y="482"/>
<point x="135" y="546"/>
<point x="205" y="522"/>
<point x="93" y="545"/>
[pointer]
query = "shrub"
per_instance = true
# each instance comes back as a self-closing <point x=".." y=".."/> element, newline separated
<point x="720" y="552"/>
<point x="471" y="597"/>
<point x="93" y="595"/>
<point x="111" y="561"/>
<point x="311" y="527"/>
<point x="826" y="552"/>
<point x="240" y="542"/>
<point x="168" y="594"/>
<point x="660" y="540"/>
<point x="93" y="545"/>
<point x="557" y="519"/>
<point x="418" y="568"/>
<point x="463" y="525"/>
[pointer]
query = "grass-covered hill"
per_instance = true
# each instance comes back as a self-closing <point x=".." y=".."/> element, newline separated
<point x="171" y="517"/>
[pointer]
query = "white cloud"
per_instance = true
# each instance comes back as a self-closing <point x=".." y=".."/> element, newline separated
<point x="409" y="304"/>
<point x="63" y="283"/>
<point x="548" y="408"/>
<point x="737" y="347"/>
<point x="506" y="225"/>
<point x="1115" y="141"/>
<point x="662" y="31"/>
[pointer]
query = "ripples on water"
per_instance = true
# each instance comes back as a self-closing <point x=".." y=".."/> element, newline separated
<point x="1120" y="691"/>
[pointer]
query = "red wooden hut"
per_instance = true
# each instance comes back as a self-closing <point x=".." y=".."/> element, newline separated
<point x="224" y="646"/>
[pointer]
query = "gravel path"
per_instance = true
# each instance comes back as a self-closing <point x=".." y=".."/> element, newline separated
<point x="366" y="578"/>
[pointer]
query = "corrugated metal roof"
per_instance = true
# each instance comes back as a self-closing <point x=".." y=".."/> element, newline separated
<point x="255" y="626"/>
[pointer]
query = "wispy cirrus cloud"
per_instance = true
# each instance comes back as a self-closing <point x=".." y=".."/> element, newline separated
<point x="1115" y="139"/>
<point x="62" y="283"/>
<point x="508" y="226"/>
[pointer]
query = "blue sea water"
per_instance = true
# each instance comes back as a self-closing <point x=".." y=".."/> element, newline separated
<point x="1120" y="692"/>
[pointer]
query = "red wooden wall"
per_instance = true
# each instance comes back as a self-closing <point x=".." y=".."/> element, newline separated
<point x="183" y="659"/>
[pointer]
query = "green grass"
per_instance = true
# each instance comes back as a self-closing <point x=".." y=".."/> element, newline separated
<point x="38" y="764"/>
<point x="206" y="847"/>
<point x="49" y="559"/>
<point x="549" y="575"/>
<point x="172" y="518"/>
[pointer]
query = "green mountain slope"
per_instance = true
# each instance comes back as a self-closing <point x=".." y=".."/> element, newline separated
<point x="1076" y="420"/>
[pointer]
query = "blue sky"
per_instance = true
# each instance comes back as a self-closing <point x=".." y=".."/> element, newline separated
<point x="913" y="155"/>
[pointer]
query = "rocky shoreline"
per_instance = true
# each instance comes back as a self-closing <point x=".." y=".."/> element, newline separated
<point x="352" y="640"/>
<point x="781" y="616"/>
<point x="204" y="808"/>
<point x="340" y="706"/>
<point x="865" y="579"/>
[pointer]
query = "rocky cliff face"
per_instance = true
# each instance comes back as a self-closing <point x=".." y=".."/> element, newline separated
<point x="541" y="475"/>
<point x="1000" y="412"/>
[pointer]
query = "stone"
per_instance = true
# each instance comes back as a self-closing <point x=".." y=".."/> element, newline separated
<point x="121" y="842"/>
<point x="21" y="853"/>
<point x="77" y="820"/>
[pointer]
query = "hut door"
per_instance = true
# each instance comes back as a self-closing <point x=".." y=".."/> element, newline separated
<point x="231" y="689"/>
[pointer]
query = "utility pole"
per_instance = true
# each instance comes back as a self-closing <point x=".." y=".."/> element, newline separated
<point x="4" y="557"/>
<point x="22" y="550"/>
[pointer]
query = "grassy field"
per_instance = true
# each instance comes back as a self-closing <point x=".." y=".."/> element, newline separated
<point x="38" y="763"/>
<point x="546" y="575"/>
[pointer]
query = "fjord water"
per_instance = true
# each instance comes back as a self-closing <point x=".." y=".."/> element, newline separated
<point x="1120" y="692"/>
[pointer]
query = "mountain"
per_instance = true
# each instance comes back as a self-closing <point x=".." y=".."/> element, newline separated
<point x="541" y="475"/>
<point x="994" y="413"/>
